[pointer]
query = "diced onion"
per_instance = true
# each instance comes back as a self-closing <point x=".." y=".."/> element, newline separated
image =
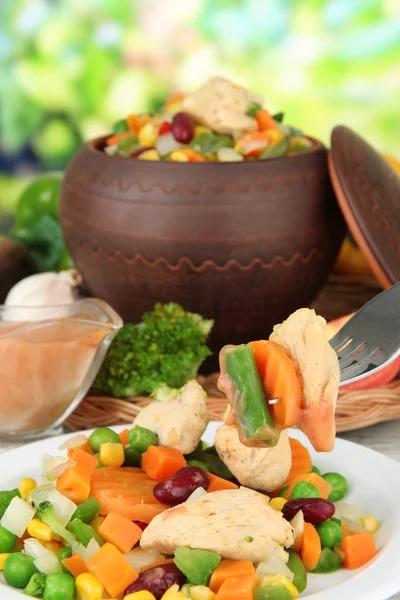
<point x="63" y="506"/>
<point x="49" y="463"/>
<point x="139" y="558"/>
<point x="40" y="494"/>
<point x="58" y="470"/>
<point x="274" y="565"/>
<point x="88" y="552"/>
<point x="34" y="548"/>
<point x="17" y="516"/>
<point x="72" y="442"/>
<point x="298" y="526"/>
<point x="197" y="493"/>
<point x="48" y="563"/>
<point x="229" y="155"/>
<point x="166" y="143"/>
<point x="348" y="512"/>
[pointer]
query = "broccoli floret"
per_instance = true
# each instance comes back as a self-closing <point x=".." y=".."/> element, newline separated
<point x="46" y="513"/>
<point x="166" y="348"/>
<point x="35" y="587"/>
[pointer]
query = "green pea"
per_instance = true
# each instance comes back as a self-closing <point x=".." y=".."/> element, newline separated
<point x="303" y="489"/>
<point x="328" y="562"/>
<point x="103" y="435"/>
<point x="198" y="463"/>
<point x="283" y="491"/>
<point x="339" y="486"/>
<point x="133" y="458"/>
<point x="330" y="534"/>
<point x="295" y="564"/>
<point x="272" y="592"/>
<point x="7" y="540"/>
<point x="18" y="569"/>
<point x="59" y="586"/>
<point x="316" y="470"/>
<point x="141" y="438"/>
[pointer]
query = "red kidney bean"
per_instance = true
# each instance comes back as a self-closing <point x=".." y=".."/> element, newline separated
<point x="139" y="151"/>
<point x="141" y="524"/>
<point x="181" y="485"/>
<point x="157" y="581"/>
<point x="315" y="510"/>
<point x="182" y="128"/>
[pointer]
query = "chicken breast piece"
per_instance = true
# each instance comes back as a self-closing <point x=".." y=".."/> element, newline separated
<point x="221" y="105"/>
<point x="179" y="422"/>
<point x="304" y="338"/>
<point x="237" y="524"/>
<point x="263" y="469"/>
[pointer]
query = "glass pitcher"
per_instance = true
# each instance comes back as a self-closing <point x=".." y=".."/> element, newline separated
<point x="49" y="358"/>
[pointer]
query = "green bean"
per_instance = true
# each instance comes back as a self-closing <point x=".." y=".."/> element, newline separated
<point x="328" y="562"/>
<point x="295" y="564"/>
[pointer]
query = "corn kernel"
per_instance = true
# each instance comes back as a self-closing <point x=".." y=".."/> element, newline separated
<point x="3" y="558"/>
<point x="275" y="135"/>
<point x="97" y="521"/>
<point x="369" y="523"/>
<point x="201" y="592"/>
<point x="178" y="156"/>
<point x="201" y="129"/>
<point x="88" y="587"/>
<point x="173" y="593"/>
<point x="144" y="595"/>
<point x="26" y="487"/>
<point x="147" y="135"/>
<point x="277" y="503"/>
<point x="281" y="580"/>
<point x="149" y="155"/>
<point x="39" y="530"/>
<point x="174" y="107"/>
<point x="112" y="455"/>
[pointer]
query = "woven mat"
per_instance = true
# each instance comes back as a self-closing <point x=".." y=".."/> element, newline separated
<point x="355" y="409"/>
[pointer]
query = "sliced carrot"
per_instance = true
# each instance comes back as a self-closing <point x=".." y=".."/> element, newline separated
<point x="239" y="588"/>
<point x="75" y="565"/>
<point x="193" y="156"/>
<point x="358" y="549"/>
<point x="265" y="120"/>
<point x="161" y="463"/>
<point x="120" y="531"/>
<point x="158" y="563"/>
<point x="123" y="436"/>
<point x="280" y="381"/>
<point x="115" y="139"/>
<point x="75" y="481"/>
<point x="301" y="461"/>
<point x="322" y="486"/>
<point x="310" y="549"/>
<point x="132" y="122"/>
<point x="230" y="569"/>
<point x="112" y="569"/>
<point x="217" y="484"/>
<point x="134" y="511"/>
<point x="86" y="447"/>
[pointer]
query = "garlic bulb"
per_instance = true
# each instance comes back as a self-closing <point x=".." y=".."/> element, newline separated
<point x="46" y="289"/>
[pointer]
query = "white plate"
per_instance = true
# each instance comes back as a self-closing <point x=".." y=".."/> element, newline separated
<point x="374" y="482"/>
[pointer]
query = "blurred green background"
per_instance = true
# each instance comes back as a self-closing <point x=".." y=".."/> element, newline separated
<point x="69" y="68"/>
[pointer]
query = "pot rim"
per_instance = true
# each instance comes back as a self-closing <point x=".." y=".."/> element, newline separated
<point x="94" y="145"/>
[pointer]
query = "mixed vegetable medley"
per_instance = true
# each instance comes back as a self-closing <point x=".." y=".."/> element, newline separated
<point x="90" y="529"/>
<point x="219" y="122"/>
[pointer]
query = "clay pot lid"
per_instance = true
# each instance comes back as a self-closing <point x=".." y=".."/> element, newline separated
<point x="368" y="192"/>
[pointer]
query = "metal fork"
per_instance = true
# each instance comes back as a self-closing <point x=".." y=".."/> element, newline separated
<point x="370" y="340"/>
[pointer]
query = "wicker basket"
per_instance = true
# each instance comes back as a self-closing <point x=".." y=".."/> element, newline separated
<point x="355" y="409"/>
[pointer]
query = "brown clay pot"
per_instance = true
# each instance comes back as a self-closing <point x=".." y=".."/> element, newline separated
<point x="242" y="243"/>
